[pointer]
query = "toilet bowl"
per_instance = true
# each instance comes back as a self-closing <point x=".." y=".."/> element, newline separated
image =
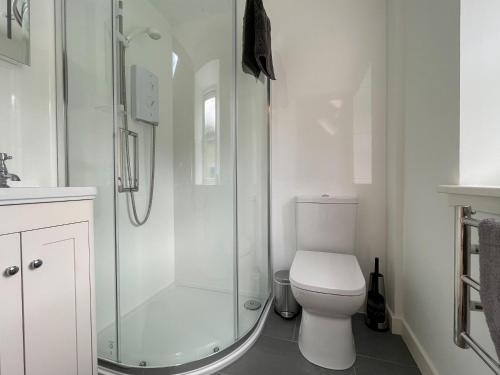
<point x="326" y="279"/>
<point x="331" y="288"/>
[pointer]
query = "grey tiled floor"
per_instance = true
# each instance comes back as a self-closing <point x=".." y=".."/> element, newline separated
<point x="276" y="352"/>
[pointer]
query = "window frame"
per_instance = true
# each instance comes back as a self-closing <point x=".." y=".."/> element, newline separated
<point x="209" y="94"/>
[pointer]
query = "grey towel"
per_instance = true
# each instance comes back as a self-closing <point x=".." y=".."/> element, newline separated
<point x="257" y="51"/>
<point x="489" y="268"/>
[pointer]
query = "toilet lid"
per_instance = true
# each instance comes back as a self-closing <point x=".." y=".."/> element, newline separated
<point x="328" y="273"/>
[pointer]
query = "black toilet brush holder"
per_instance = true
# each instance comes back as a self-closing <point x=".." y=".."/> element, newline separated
<point x="376" y="310"/>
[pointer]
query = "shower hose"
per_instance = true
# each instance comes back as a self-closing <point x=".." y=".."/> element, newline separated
<point x="134" y="216"/>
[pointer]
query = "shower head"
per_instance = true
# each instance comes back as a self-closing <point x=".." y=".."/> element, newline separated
<point x="153" y="34"/>
<point x="150" y="32"/>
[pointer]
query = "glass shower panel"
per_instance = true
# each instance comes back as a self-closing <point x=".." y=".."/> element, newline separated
<point x="176" y="273"/>
<point x="89" y="147"/>
<point x="253" y="189"/>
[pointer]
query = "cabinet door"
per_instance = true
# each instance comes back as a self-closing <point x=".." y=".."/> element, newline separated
<point x="57" y="301"/>
<point x="11" y="306"/>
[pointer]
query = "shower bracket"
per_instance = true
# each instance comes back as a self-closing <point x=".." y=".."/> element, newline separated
<point x="128" y="183"/>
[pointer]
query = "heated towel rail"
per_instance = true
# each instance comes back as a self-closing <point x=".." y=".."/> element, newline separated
<point x="463" y="282"/>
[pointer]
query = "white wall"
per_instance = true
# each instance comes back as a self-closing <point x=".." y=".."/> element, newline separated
<point x="329" y="115"/>
<point x="27" y="105"/>
<point x="424" y="133"/>
<point x="480" y="85"/>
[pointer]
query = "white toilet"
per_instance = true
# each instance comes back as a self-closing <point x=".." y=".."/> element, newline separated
<point x="326" y="279"/>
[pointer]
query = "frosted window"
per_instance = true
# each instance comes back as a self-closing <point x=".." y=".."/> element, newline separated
<point x="175" y="60"/>
<point x="209" y="142"/>
<point x="480" y="93"/>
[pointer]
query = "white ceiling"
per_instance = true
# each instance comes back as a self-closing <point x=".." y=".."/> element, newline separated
<point x="197" y="22"/>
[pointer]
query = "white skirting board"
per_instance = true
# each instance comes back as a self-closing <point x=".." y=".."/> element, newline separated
<point x="400" y="327"/>
<point x="396" y="323"/>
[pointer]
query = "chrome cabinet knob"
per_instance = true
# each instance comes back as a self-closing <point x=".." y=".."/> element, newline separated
<point x="11" y="271"/>
<point x="36" y="264"/>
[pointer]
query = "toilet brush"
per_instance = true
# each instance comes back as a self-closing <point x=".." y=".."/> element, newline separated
<point x="376" y="314"/>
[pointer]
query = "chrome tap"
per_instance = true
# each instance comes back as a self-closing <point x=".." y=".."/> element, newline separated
<point x="5" y="176"/>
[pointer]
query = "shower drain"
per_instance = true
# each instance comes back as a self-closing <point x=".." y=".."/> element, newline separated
<point x="216" y="349"/>
<point x="252" y="304"/>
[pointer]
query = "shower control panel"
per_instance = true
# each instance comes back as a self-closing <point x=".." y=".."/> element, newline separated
<point x="145" y="95"/>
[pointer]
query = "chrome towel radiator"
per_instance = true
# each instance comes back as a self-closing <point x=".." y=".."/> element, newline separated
<point x="464" y="249"/>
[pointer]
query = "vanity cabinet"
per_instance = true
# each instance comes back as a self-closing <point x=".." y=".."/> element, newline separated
<point x="11" y="309"/>
<point x="47" y="286"/>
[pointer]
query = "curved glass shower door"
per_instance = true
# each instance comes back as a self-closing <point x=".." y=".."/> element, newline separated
<point x="254" y="276"/>
<point x="161" y="80"/>
<point x="176" y="272"/>
<point x="89" y="144"/>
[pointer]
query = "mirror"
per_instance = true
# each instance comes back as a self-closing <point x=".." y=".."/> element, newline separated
<point x="15" y="31"/>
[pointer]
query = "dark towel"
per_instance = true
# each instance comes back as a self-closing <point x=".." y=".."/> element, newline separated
<point x="489" y="268"/>
<point x="257" y="52"/>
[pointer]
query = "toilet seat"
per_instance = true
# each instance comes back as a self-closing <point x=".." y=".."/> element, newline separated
<point x="327" y="273"/>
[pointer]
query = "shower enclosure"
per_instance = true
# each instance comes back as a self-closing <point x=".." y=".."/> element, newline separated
<point x="155" y="88"/>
